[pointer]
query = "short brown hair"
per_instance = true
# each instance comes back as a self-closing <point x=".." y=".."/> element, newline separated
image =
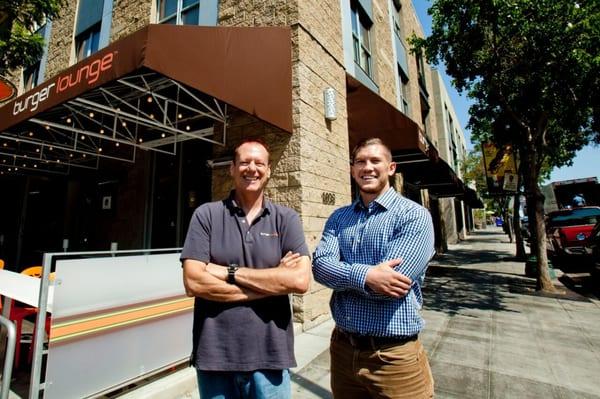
<point x="367" y="142"/>
<point x="256" y="140"/>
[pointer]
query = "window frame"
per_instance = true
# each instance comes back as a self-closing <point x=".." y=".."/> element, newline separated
<point x="31" y="74"/>
<point x="180" y="10"/>
<point x="360" y="24"/>
<point x="87" y="38"/>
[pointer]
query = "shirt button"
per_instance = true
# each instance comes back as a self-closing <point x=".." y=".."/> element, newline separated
<point x="243" y="221"/>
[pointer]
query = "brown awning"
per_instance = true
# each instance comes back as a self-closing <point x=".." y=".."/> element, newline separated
<point x="248" y="68"/>
<point x="369" y="115"/>
<point x="472" y="199"/>
<point x="435" y="175"/>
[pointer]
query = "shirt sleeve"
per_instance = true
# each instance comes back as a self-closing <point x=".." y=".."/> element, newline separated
<point x="329" y="269"/>
<point x="414" y="243"/>
<point x="197" y="240"/>
<point x="293" y="235"/>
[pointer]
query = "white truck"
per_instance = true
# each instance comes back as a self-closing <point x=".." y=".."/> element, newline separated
<point x="569" y="193"/>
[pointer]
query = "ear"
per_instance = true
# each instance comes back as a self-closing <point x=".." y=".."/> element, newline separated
<point x="232" y="168"/>
<point x="392" y="169"/>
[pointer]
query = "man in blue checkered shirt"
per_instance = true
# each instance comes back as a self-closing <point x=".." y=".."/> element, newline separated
<point x="374" y="254"/>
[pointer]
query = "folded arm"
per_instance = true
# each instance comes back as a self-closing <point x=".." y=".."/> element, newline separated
<point x="406" y="257"/>
<point x="199" y="282"/>
<point x="292" y="275"/>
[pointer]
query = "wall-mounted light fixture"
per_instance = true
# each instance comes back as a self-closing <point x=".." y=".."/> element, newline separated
<point x="329" y="103"/>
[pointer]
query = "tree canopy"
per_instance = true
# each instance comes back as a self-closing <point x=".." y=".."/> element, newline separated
<point x="20" y="46"/>
<point x="532" y="68"/>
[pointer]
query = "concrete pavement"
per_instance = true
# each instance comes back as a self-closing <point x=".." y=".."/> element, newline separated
<point x="488" y="333"/>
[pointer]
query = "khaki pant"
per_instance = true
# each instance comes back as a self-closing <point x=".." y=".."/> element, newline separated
<point x="391" y="371"/>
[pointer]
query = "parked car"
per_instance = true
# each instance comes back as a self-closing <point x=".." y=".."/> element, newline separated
<point x="568" y="231"/>
<point x="593" y="249"/>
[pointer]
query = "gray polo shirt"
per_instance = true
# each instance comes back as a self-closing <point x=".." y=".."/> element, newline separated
<point x="251" y="335"/>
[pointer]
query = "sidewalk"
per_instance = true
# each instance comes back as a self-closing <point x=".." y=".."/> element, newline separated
<point x="488" y="334"/>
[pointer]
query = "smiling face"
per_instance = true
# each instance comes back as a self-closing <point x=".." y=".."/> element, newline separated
<point x="371" y="169"/>
<point x="250" y="169"/>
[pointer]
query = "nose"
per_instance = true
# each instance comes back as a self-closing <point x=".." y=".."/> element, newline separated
<point x="252" y="166"/>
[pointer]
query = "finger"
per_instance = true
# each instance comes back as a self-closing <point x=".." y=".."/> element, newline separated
<point x="392" y="262"/>
<point x="402" y="278"/>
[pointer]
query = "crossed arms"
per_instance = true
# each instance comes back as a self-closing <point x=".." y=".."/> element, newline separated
<point x="405" y="259"/>
<point x="209" y="280"/>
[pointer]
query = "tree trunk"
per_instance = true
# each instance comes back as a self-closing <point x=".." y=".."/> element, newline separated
<point x="535" y="202"/>
<point x="517" y="224"/>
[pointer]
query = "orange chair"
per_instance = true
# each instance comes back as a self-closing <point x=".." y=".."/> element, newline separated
<point x="19" y="313"/>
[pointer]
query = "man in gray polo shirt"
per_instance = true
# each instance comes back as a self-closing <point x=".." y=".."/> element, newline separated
<point x="241" y="258"/>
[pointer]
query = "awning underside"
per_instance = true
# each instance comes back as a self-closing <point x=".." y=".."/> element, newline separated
<point x="434" y="175"/>
<point x="144" y="110"/>
<point x="150" y="90"/>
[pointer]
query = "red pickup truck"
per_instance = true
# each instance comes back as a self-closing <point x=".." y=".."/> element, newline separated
<point x="568" y="230"/>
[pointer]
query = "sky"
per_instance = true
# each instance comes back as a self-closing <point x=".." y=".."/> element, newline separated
<point x="585" y="164"/>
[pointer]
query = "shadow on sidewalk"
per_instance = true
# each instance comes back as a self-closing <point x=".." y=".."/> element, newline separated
<point x="460" y="257"/>
<point x="450" y="289"/>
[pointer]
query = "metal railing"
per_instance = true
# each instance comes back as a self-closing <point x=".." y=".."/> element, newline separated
<point x="9" y="356"/>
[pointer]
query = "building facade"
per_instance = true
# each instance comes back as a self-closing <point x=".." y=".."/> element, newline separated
<point x="351" y="75"/>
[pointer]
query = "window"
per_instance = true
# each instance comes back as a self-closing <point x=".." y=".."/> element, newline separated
<point x="93" y="17"/>
<point x="31" y="74"/>
<point x="397" y="19"/>
<point x="361" y="40"/>
<point x="87" y="43"/>
<point x="403" y="91"/>
<point x="179" y="12"/>
<point x="421" y="71"/>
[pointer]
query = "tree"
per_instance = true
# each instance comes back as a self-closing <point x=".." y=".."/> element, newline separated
<point x="532" y="68"/>
<point x="20" y="46"/>
<point x="473" y="170"/>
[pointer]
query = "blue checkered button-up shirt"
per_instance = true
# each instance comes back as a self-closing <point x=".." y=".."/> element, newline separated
<point x="357" y="238"/>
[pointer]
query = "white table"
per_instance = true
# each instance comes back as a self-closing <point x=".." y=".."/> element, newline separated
<point x="23" y="288"/>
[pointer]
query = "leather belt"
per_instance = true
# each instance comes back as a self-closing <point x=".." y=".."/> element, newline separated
<point x="371" y="342"/>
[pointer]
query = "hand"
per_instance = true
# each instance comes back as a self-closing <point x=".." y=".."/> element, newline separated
<point x="383" y="279"/>
<point x="289" y="260"/>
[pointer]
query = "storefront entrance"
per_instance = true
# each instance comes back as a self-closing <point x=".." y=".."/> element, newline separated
<point x="146" y="204"/>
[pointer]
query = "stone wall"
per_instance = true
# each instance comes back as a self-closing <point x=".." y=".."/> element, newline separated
<point x="310" y="169"/>
<point x="129" y="16"/>
<point x="60" y="47"/>
<point x="383" y="52"/>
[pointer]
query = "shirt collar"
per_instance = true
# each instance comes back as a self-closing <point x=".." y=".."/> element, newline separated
<point x="384" y="200"/>
<point x="236" y="210"/>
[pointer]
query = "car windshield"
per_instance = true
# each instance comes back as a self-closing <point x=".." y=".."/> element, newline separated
<point x="576" y="217"/>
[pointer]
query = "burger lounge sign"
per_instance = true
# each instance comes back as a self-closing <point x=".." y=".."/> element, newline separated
<point x="86" y="74"/>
